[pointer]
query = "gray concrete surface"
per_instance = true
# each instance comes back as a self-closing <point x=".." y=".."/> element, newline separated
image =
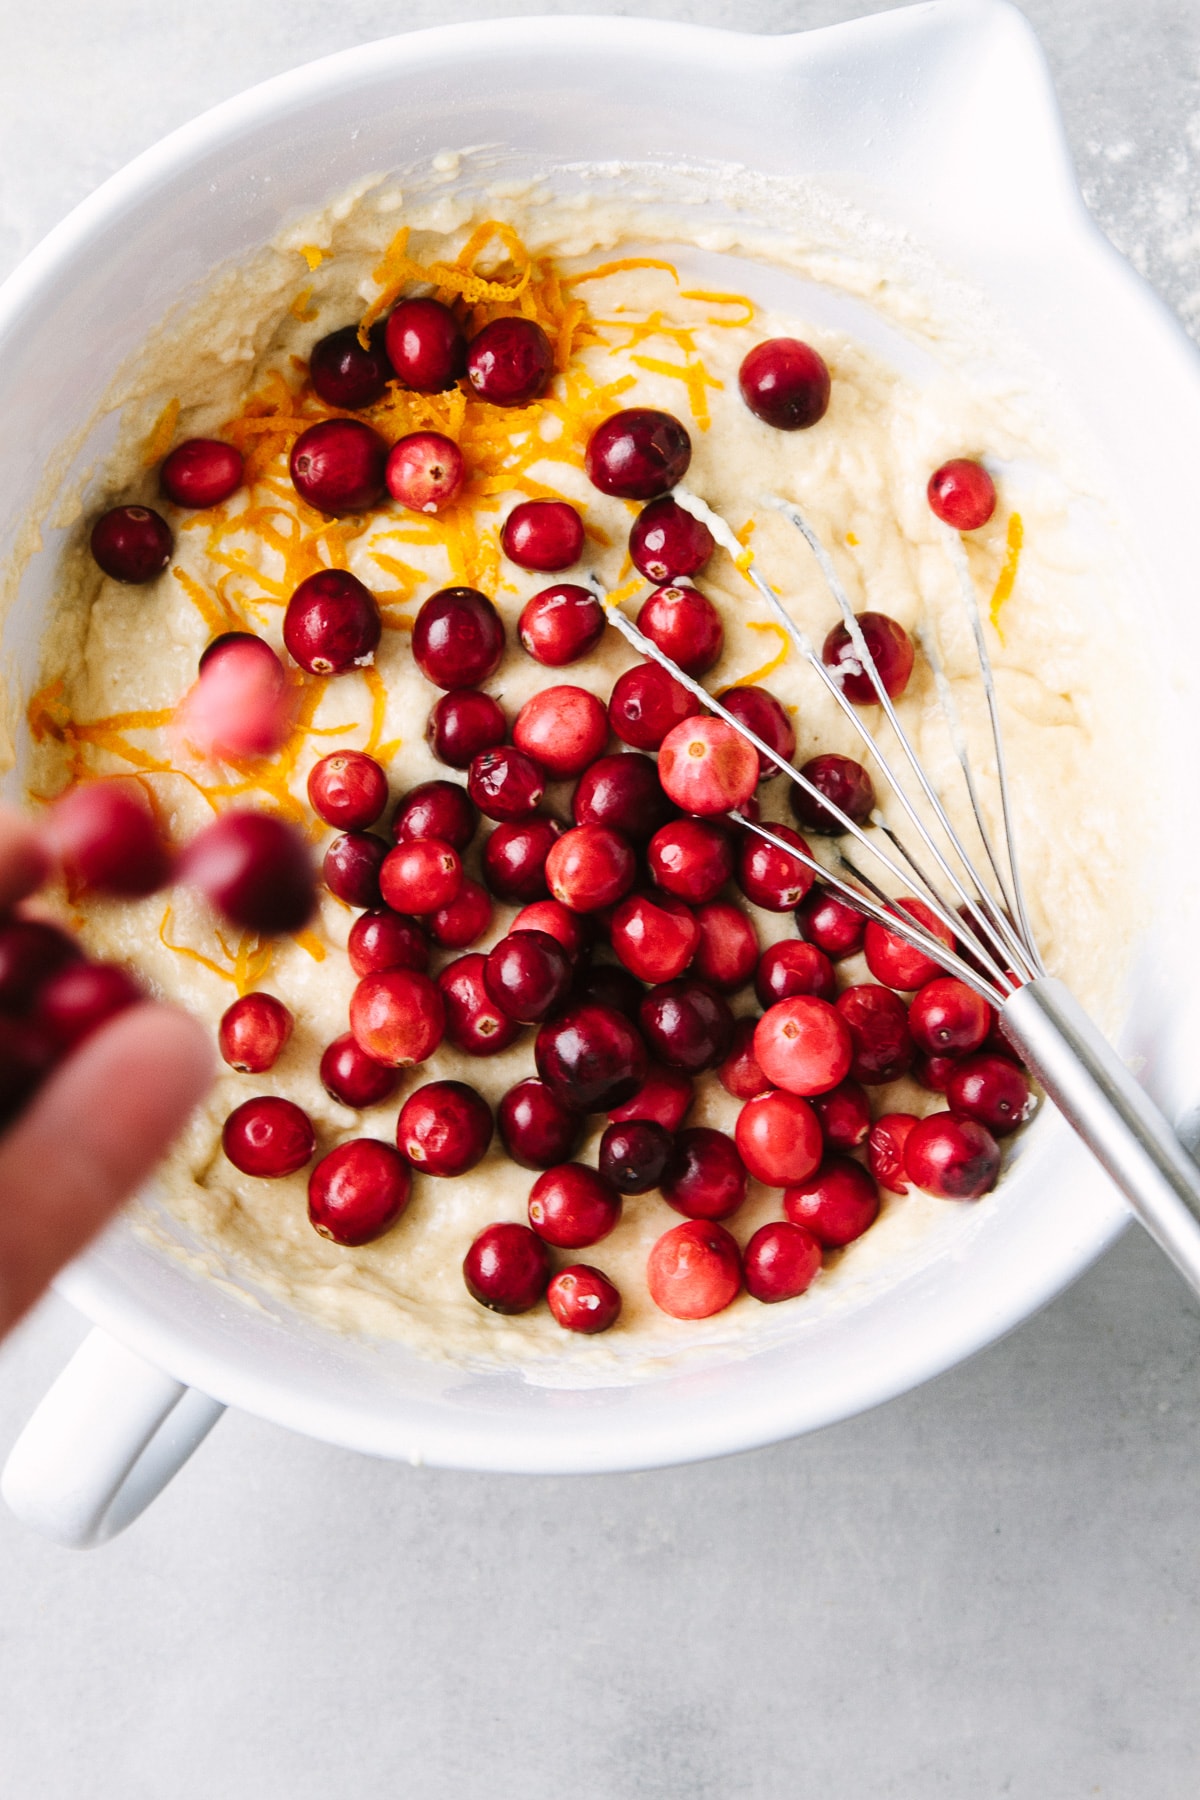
<point x="991" y="1587"/>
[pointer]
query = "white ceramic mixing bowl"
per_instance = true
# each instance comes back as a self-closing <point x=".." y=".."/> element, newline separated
<point x="939" y="118"/>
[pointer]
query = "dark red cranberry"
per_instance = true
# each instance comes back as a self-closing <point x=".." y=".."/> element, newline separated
<point x="840" y="779"/>
<point x="685" y="625"/>
<point x="358" y="1191"/>
<point x="255" y="868"/>
<point x="582" y="1299"/>
<point x="878" y="1023"/>
<point x="537" y="1130"/>
<point x="785" y="384"/>
<point x="253" y="1032"/>
<point x="778" y="1136"/>
<point x="646" y="703"/>
<point x="464" y="919"/>
<point x="351" y="867"/>
<point x="561" y="624"/>
<point x="933" y="1072"/>
<point x="398" y="1016"/>
<point x="947" y="1018"/>
<point x="507" y="1268"/>
<point x="845" y="1115"/>
<point x="462" y="724"/>
<point x="781" y="1261"/>
<point x="837" y="1203"/>
<point x="694" y="1270"/>
<point x="824" y="920"/>
<point x="691" y="858"/>
<point x="81" y="997"/>
<point x="27" y="1054"/>
<point x="133" y="544"/>
<point x="654" y="935"/>
<point x="591" y="867"/>
<point x="337" y="466"/>
<point x="962" y="494"/>
<point x="332" y="623"/>
<point x="891" y="651"/>
<point x="803" y="1044"/>
<point x="383" y="940"/>
<point x="739" y="1073"/>
<point x="421" y="875"/>
<point x="686" y="1025"/>
<point x="893" y="960"/>
<point x="704" y="1177"/>
<point x="510" y="362"/>
<point x="763" y="714"/>
<point x="793" y="967"/>
<point x="562" y="728"/>
<point x="623" y="792"/>
<point x="107" y="840"/>
<point x="770" y="877"/>
<point x="638" y="454"/>
<point x="590" y="1057"/>
<point x="353" y="1078"/>
<point x="425" y="471"/>
<point x="458" y="638"/>
<point x="31" y="951"/>
<point x="444" y="1128"/>
<point x="664" y="1098"/>
<point x="528" y="975"/>
<point x="633" y="1157"/>
<point x="546" y="535"/>
<point x="474" y="1023"/>
<point x="885" y="1150"/>
<point x="991" y="1090"/>
<point x="557" y="921"/>
<point x="514" y="859"/>
<point x="956" y="1159"/>
<point x="436" y="809"/>
<point x="667" y="543"/>
<point x="268" y="1136"/>
<point x="609" y="985"/>
<point x="506" y="784"/>
<point x="346" y="375"/>
<point x="707" y="767"/>
<point x="348" y="790"/>
<point x="572" y="1206"/>
<point x="426" y="345"/>
<point x="201" y="472"/>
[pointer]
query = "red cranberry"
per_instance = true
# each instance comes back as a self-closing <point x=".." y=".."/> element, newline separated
<point x="201" y="472"/>
<point x="803" y="1044"/>
<point x="510" y="362"/>
<point x="728" y="947"/>
<point x="622" y="791"/>
<point x="885" y="1150"/>
<point x="332" y="623"/>
<point x="633" y="1156"/>
<point x="352" y="865"/>
<point x="993" y="1091"/>
<point x="337" y="466"/>
<point x="557" y="921"/>
<point x="345" y="375"/>
<point x="845" y="1115"/>
<point x="667" y="542"/>
<point x="464" y="920"/>
<point x="255" y="868"/>
<point x="947" y="1018"/>
<point x="591" y="1058"/>
<point x="692" y="859"/>
<point x="572" y="1206"/>
<point x="133" y="544"/>
<point x="891" y="651"/>
<point x="705" y="1177"/>
<point x="426" y="346"/>
<point x="785" y="384"/>
<point x="425" y="471"/>
<point x="444" y="1128"/>
<point x="382" y="940"/>
<point x="458" y="638"/>
<point x="528" y="975"/>
<point x="31" y="951"/>
<point x="686" y="627"/>
<point x="514" y="859"/>
<point x="933" y="1072"/>
<point x="707" y="767"/>
<point x="877" y="1021"/>
<point x="506" y="784"/>
<point x="778" y="1136"/>
<point x="686" y="1025"/>
<point x="582" y="1299"/>
<point x="107" y="840"/>
<point x="436" y="809"/>
<point x="781" y="1261"/>
<point x="353" y="1078"/>
<point x="694" y="1270"/>
<point x="421" y="875"/>
<point x="348" y="790"/>
<point x="655" y="936"/>
<point x="638" y="454"/>
<point x="561" y="624"/>
<point x="507" y="1268"/>
<point x="763" y="714"/>
<point x="462" y="724"/>
<point x="646" y="703"/>
<point x="474" y="1023"/>
<point x="770" y="877"/>
<point x="398" y="1016"/>
<point x="607" y="984"/>
<point x="253" y="1032"/>
<point x="664" y="1098"/>
<point x="26" y="1056"/>
<point x="792" y="967"/>
<point x="268" y="1136"/>
<point x="591" y="867"/>
<point x="358" y="1191"/>
<point x="956" y="1159"/>
<point x="740" y="1074"/>
<point x="897" y="963"/>
<point x="824" y="920"/>
<point x="564" y="728"/>
<point x="840" y="779"/>
<point x="80" y="998"/>
<point x="962" y="494"/>
<point x="537" y="1130"/>
<point x="837" y="1204"/>
<point x="545" y="535"/>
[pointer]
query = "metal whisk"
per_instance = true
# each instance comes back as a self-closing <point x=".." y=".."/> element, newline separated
<point x="1077" y="1068"/>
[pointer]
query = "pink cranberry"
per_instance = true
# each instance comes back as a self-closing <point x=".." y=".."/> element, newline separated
<point x="633" y="1156"/>
<point x="763" y="714"/>
<point x="528" y="975"/>
<point x="686" y="1025"/>
<point x="707" y="767"/>
<point x="962" y="494"/>
<point x="253" y="1032"/>
<point x="421" y="875"/>
<point x="348" y="790"/>
<point x="80" y="998"/>
<point x="785" y="384"/>
<point x="877" y="1021"/>
<point x="778" y="1136"/>
<point x="398" y="1016"/>
<point x="382" y="940"/>
<point x="255" y="868"/>
<point x="705" y="1177"/>
<point x="358" y="1191"/>
<point x="740" y="1074"/>
<point x="345" y="375"/>
<point x="561" y="624"/>
<point x="242" y="705"/>
<point x="769" y="876"/>
<point x="506" y="784"/>
<point x="728" y="949"/>
<point x="268" y="1136"/>
<point x="781" y="1261"/>
<point x="992" y="1091"/>
<point x="444" y="1128"/>
<point x="31" y="951"/>
<point x="622" y="791"/>
<point x="891" y="651"/>
<point x="591" y="1058"/>
<point x="557" y="921"/>
<point x="956" y="1159"/>
<point x="514" y="858"/>
<point x="572" y="1206"/>
<point x="686" y="627"/>
<point x="537" y="1130"/>
<point x="332" y="623"/>
<point x="792" y="967"/>
<point x="133" y="544"/>
<point x="426" y="346"/>
<point x="837" y="1204"/>
<point x="337" y="466"/>
<point x="474" y="1023"/>
<point x="845" y="1115"/>
<point x="462" y="724"/>
<point x="667" y="542"/>
<point x="545" y="535"/>
<point x="352" y="865"/>
<point x="804" y="1045"/>
<point x="646" y="704"/>
<point x="458" y="638"/>
<point x="582" y="1299"/>
<point x="591" y="867"/>
<point x="608" y="984"/>
<point x="692" y="859"/>
<point x="638" y="454"/>
<point x="897" y="963"/>
<point x="885" y="1150"/>
<point x="464" y="920"/>
<point x="664" y="1098"/>
<point x="107" y="840"/>
<point x="201" y="472"/>
<point x="353" y="1078"/>
<point x="947" y="1018"/>
<point x="843" y="781"/>
<point x="694" y="1270"/>
<point x="824" y="920"/>
<point x="436" y="809"/>
<point x="655" y="936"/>
<point x="510" y="362"/>
<point x="507" y="1268"/>
<point x="563" y="728"/>
<point x="425" y="471"/>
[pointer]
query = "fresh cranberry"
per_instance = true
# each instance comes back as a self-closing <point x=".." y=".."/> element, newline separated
<point x="242" y="705"/>
<point x="778" y="1136"/>
<point x="506" y="784"/>
<point x="646" y="704"/>
<point x="667" y="542"/>
<point x="557" y="921"/>
<point x="793" y="967"/>
<point x="398" y="1016"/>
<point x="510" y="362"/>
<point x="824" y="920"/>
<point x="337" y="466"/>
<point x="804" y="1045"/>
<point x="694" y="1270"/>
<point x="885" y="1150"/>
<point x="591" y="867"/>
<point x="255" y="868"/>
<point x="347" y="789"/>
<point x="474" y="1023"/>
<point x="425" y="471"/>
<point x="563" y="728"/>
<point x="346" y="375"/>
<point x="358" y="1191"/>
<point x="507" y="1268"/>
<point x="638" y="454"/>
<point x="633" y="1156"/>
<point x="770" y="877"/>
<point x="253" y="1032"/>
<point x="845" y="1115"/>
<point x="332" y="623"/>
<point x="514" y="859"/>
<point x="837" y="1204"/>
<point x="528" y="975"/>
<point x="27" y="1055"/>
<point x="201" y="472"/>
<point x="608" y="984"/>
<point x="381" y="939"/>
<point x="897" y="963"/>
<point x="421" y="875"/>
<point x="685" y="625"/>
<point x="962" y="494"/>
<point x="268" y="1136"/>
<point x="705" y="1177"/>
<point x="545" y="535"/>
<point x="654" y="935"/>
<point x="436" y="809"/>
<point x="352" y="865"/>
<point x="785" y="384"/>
<point x="464" y="919"/>
<point x="536" y="1129"/>
<point x="353" y="1078"/>
<point x="572" y="1206"/>
<point x="80" y="998"/>
<point x="692" y="859"/>
<point x="31" y="951"/>
<point x="891" y="651"/>
<point x="444" y="1128"/>
<point x="993" y="1091"/>
<point x="133" y="544"/>
<point x="933" y="1072"/>
<point x="561" y="624"/>
<point x="947" y="1018"/>
<point x="843" y="781"/>
<point x="462" y="724"/>
<point x="458" y="638"/>
<point x="956" y="1159"/>
<point x="686" y="1025"/>
<point x="582" y="1299"/>
<point x="622" y="791"/>
<point x="426" y="345"/>
<point x="664" y="1098"/>
<point x="728" y="949"/>
<point x="591" y="1058"/>
<point x="740" y="1074"/>
<point x="106" y="838"/>
<point x="877" y="1021"/>
<point x="707" y="767"/>
<point x="781" y="1261"/>
<point x="763" y="714"/>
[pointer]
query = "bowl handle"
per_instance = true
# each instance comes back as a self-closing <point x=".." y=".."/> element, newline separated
<point x="106" y="1439"/>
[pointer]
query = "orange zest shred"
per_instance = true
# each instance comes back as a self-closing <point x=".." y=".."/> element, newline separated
<point x="217" y="614"/>
<point x="301" y="307"/>
<point x="186" y="949"/>
<point x="768" y="668"/>
<point x="715" y="299"/>
<point x="378" y="693"/>
<point x="619" y="268"/>
<point x="852" y="540"/>
<point x="310" y="942"/>
<point x="695" y="378"/>
<point x="313" y="255"/>
<point x="1008" y="573"/>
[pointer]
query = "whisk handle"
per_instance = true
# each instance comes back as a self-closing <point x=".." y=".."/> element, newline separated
<point x="1113" y="1115"/>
